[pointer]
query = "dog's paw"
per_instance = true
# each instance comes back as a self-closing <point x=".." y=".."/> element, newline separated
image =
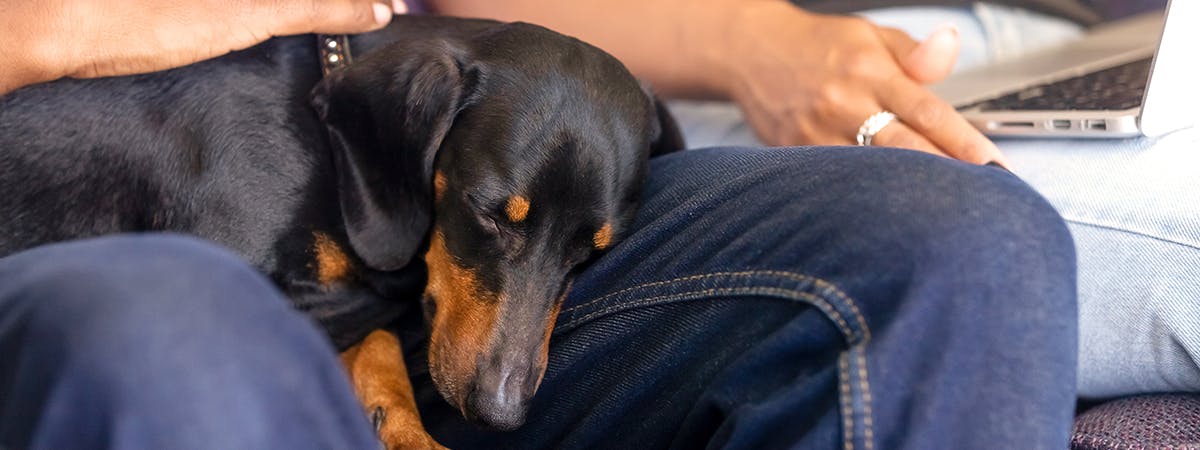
<point x="400" y="432"/>
<point x="376" y="367"/>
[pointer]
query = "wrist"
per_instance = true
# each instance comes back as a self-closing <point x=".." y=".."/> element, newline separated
<point x="747" y="42"/>
<point x="706" y="64"/>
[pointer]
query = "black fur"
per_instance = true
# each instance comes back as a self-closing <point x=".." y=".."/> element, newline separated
<point x="232" y="150"/>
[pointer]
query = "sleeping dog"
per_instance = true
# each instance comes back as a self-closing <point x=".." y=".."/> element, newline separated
<point x="471" y="164"/>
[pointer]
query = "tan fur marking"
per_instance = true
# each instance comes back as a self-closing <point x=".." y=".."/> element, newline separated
<point x="439" y="185"/>
<point x="517" y="208"/>
<point x="462" y="328"/>
<point x="376" y="367"/>
<point x="332" y="263"/>
<point x="545" y="355"/>
<point x="603" y="237"/>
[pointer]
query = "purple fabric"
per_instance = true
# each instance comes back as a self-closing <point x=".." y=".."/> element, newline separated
<point x="417" y="7"/>
<point x="1088" y="12"/>
<point x="1115" y="9"/>
<point x="1146" y="421"/>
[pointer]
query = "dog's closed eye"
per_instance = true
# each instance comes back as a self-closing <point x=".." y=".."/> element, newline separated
<point x="501" y="219"/>
<point x="586" y="244"/>
<point x="498" y="228"/>
<point x="496" y="225"/>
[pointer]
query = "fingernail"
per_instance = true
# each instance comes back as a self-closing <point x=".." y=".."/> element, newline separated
<point x="946" y="28"/>
<point x="1000" y="166"/>
<point x="943" y="37"/>
<point x="399" y="7"/>
<point x="377" y="417"/>
<point x="383" y="14"/>
<point x="946" y="35"/>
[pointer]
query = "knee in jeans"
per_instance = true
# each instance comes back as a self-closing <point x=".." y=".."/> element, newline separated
<point x="923" y="196"/>
<point x="131" y="288"/>
<point x="994" y="209"/>
<point x="919" y="213"/>
<point x="989" y="231"/>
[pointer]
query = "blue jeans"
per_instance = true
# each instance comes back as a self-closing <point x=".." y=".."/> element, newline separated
<point x="1131" y="205"/>
<point x="162" y="342"/>
<point x="824" y="298"/>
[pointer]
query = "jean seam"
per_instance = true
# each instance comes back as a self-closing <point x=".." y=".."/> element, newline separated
<point x="853" y="382"/>
<point x="1145" y="234"/>
<point x="693" y="295"/>
<point x="823" y="286"/>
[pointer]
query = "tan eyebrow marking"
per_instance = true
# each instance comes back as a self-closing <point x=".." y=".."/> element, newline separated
<point x="439" y="185"/>
<point x="517" y="208"/>
<point x="602" y="237"/>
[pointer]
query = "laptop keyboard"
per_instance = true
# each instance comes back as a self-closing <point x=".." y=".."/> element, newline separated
<point x="1116" y="88"/>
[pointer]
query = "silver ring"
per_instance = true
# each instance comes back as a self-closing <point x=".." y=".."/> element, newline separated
<point x="873" y="125"/>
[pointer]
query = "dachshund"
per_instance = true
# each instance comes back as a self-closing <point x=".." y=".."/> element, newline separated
<point x="468" y="167"/>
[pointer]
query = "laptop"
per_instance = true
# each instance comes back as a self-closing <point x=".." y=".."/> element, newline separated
<point x="1137" y="76"/>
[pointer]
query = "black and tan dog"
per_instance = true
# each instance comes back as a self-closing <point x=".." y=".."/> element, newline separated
<point x="506" y="153"/>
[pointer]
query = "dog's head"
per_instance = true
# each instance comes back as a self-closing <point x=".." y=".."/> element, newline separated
<point x="516" y="154"/>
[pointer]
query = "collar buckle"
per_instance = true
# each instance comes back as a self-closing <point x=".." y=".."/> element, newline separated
<point x="334" y="50"/>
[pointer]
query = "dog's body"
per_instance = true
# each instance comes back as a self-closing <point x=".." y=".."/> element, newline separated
<point x="509" y="152"/>
<point x="226" y="149"/>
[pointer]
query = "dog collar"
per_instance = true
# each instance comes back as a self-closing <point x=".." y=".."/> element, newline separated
<point x="334" y="50"/>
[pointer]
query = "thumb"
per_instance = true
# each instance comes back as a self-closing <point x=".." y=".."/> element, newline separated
<point x="336" y="16"/>
<point x="933" y="59"/>
<point x="925" y="62"/>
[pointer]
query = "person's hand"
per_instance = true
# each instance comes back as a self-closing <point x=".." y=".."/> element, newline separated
<point x="50" y="39"/>
<point x="806" y="78"/>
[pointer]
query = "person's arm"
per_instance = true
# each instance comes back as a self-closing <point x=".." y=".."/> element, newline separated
<point x="801" y="78"/>
<point x="46" y="40"/>
<point x="646" y="35"/>
<point x="22" y="59"/>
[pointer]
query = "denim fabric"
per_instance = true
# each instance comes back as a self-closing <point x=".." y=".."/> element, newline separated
<point x="1131" y="206"/>
<point x="815" y="298"/>
<point x="822" y="298"/>
<point x="162" y="342"/>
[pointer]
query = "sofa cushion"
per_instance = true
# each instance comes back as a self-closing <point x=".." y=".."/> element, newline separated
<point x="1144" y="421"/>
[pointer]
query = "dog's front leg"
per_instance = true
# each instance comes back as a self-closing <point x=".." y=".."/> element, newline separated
<point x="376" y="367"/>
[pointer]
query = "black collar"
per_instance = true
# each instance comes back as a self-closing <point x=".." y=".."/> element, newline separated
<point x="334" y="50"/>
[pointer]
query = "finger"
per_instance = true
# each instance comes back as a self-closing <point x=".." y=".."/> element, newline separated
<point x="899" y="135"/>
<point x="934" y="58"/>
<point x="334" y="16"/>
<point x="898" y="42"/>
<point x="894" y="134"/>
<point x="937" y="121"/>
<point x="928" y="61"/>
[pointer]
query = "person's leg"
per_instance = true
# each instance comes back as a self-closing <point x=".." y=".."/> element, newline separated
<point x="851" y="298"/>
<point x="162" y="342"/>
<point x="1130" y="204"/>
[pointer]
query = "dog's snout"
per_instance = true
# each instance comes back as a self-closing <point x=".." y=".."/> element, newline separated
<point x="501" y="394"/>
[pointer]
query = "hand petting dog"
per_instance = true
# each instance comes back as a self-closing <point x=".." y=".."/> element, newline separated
<point x="48" y="40"/>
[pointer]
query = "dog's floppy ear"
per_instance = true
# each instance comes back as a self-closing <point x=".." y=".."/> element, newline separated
<point x="669" y="138"/>
<point x="386" y="116"/>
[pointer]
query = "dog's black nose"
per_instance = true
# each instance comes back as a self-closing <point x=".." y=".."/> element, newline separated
<point x="501" y="394"/>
